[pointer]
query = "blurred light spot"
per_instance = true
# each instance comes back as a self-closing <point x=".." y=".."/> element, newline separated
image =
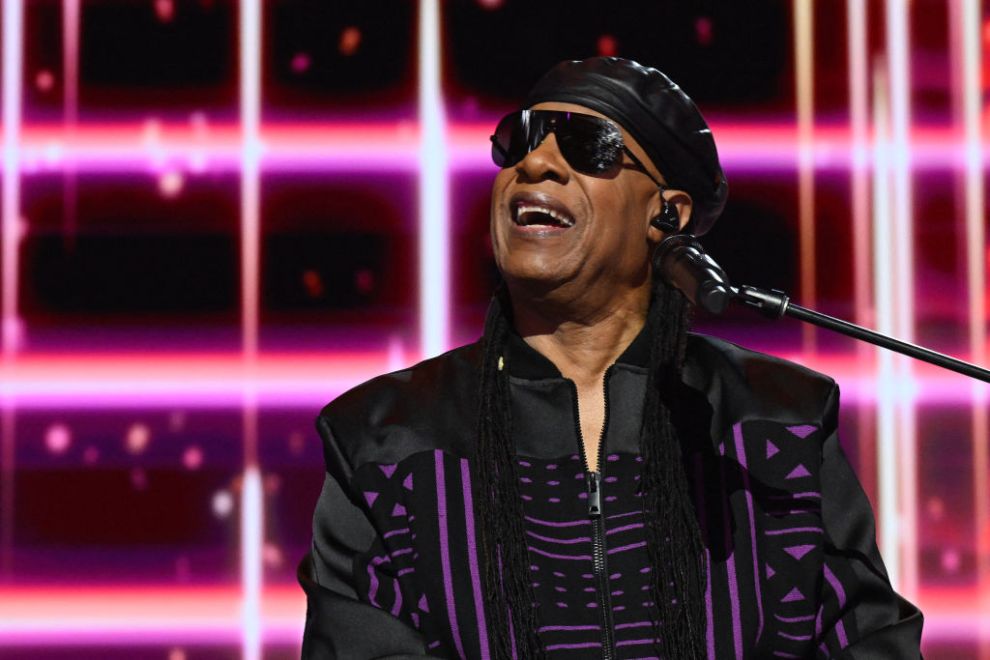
<point x="350" y="41"/>
<point x="313" y="283"/>
<point x="138" y="436"/>
<point x="364" y="281"/>
<point x="273" y="483"/>
<point x="165" y="10"/>
<point x="300" y="63"/>
<point x="176" y="420"/>
<point x="52" y="153"/>
<point x="703" y="30"/>
<point x="199" y="123"/>
<point x="44" y="80"/>
<point x="176" y="654"/>
<point x="296" y="442"/>
<point x="607" y="45"/>
<point x="192" y="457"/>
<point x="170" y="183"/>
<point x="91" y="455"/>
<point x="272" y="555"/>
<point x="491" y="4"/>
<point x="223" y="503"/>
<point x="950" y="560"/>
<point x="139" y="480"/>
<point x="58" y="438"/>
<point x="935" y="508"/>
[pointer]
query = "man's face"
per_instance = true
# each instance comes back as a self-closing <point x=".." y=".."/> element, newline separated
<point x="601" y="247"/>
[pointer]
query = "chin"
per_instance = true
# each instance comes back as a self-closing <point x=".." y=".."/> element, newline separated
<point x="536" y="277"/>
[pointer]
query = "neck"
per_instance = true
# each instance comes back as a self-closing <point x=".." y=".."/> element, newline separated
<point x="581" y="342"/>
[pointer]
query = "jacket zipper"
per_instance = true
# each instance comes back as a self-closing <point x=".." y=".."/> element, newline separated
<point x="593" y="481"/>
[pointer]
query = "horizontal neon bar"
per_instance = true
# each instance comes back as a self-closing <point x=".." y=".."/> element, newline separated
<point x="158" y="147"/>
<point x="308" y="379"/>
<point x="138" y="615"/>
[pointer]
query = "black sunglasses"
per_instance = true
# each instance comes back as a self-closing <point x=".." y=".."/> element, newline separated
<point x="590" y="145"/>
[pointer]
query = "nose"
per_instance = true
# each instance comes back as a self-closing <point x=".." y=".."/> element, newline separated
<point x="544" y="163"/>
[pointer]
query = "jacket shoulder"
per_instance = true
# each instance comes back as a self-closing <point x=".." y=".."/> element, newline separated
<point x="430" y="405"/>
<point x="752" y="385"/>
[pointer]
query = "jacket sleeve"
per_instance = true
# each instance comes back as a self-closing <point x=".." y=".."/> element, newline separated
<point x="339" y="624"/>
<point x="861" y="615"/>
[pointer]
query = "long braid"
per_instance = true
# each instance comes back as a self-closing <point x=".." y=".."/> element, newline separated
<point x="508" y="590"/>
<point x="673" y="536"/>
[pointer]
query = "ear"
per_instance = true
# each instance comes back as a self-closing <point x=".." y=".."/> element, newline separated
<point x="680" y="200"/>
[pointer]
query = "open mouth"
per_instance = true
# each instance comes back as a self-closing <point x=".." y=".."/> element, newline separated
<point x="528" y="214"/>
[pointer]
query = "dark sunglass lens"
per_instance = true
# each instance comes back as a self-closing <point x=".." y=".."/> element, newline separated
<point x="590" y="145"/>
<point x="509" y="141"/>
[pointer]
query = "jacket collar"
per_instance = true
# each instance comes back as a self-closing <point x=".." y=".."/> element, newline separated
<point x="524" y="361"/>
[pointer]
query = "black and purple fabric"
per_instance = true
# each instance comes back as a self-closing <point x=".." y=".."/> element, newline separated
<point x="793" y="567"/>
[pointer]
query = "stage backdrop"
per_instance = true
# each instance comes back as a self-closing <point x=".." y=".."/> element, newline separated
<point x="219" y="215"/>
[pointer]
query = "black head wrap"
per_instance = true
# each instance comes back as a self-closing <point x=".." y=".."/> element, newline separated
<point x="655" y="111"/>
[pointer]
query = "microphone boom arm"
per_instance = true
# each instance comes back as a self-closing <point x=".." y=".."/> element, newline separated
<point x="775" y="304"/>
<point x="683" y="264"/>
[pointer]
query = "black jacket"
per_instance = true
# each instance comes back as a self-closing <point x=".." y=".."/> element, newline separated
<point x="793" y="567"/>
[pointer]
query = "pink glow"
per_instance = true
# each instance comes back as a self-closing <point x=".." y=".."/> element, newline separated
<point x="305" y="379"/>
<point x="141" y="614"/>
<point x="356" y="146"/>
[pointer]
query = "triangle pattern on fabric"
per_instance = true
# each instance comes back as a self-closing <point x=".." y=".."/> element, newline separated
<point x="770" y="571"/>
<point x="771" y="449"/>
<point x="388" y="470"/>
<point x="798" y="472"/>
<point x="398" y="510"/>
<point x="370" y="497"/>
<point x="407" y="482"/>
<point x="422" y="604"/>
<point x="792" y="596"/>
<point x="802" y="430"/>
<point x="799" y="551"/>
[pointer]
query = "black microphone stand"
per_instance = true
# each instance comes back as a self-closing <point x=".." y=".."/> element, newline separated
<point x="686" y="266"/>
<point x="775" y="304"/>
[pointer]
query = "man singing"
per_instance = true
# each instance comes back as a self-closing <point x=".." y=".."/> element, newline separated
<point x="589" y="479"/>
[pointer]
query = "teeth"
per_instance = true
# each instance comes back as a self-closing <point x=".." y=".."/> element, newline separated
<point x="559" y="217"/>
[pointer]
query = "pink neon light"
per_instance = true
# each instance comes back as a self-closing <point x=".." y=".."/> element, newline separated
<point x="311" y="379"/>
<point x="46" y="616"/>
<point x="195" y="615"/>
<point x="355" y="146"/>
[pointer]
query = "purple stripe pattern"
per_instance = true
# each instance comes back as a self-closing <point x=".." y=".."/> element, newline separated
<point x="448" y="582"/>
<point x="741" y="457"/>
<point x="763" y="555"/>
<point x="472" y="542"/>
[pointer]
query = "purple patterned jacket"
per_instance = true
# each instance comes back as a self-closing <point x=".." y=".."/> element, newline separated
<point x="793" y="567"/>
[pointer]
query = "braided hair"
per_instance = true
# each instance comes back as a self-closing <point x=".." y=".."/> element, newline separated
<point x="673" y="535"/>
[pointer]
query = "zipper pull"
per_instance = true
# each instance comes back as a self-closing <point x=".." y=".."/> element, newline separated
<point x="593" y="481"/>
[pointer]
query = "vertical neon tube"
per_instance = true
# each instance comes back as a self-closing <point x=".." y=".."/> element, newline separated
<point x="434" y="316"/>
<point x="13" y="35"/>
<point x="12" y="64"/>
<point x="856" y="17"/>
<point x="970" y="23"/>
<point x="804" y="52"/>
<point x="251" y="494"/>
<point x="251" y="526"/>
<point x="898" y="46"/>
<point x="70" y="92"/>
<point x="856" y="23"/>
<point x="889" y="521"/>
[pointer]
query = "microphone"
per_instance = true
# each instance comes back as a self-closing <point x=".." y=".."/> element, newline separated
<point x="683" y="264"/>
